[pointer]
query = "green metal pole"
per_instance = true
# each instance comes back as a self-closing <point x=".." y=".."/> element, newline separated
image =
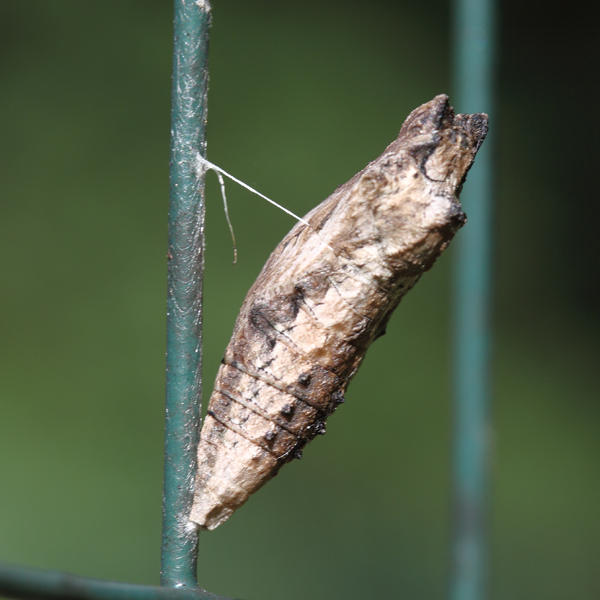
<point x="24" y="582"/>
<point x="473" y="80"/>
<point x="184" y="294"/>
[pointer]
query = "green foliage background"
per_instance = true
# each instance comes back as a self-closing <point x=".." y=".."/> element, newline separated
<point x="302" y="95"/>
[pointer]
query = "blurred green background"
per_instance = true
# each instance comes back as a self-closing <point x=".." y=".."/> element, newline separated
<point x="302" y="95"/>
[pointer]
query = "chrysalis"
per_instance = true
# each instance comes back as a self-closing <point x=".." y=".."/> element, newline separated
<point x="325" y="293"/>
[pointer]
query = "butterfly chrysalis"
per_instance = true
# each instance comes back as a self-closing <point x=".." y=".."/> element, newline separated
<point x="325" y="293"/>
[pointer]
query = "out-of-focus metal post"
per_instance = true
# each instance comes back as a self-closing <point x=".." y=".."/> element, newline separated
<point x="474" y="41"/>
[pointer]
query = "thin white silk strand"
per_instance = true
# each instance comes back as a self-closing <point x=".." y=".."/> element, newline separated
<point x="208" y="165"/>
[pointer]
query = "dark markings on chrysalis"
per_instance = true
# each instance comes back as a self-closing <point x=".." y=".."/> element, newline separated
<point x="325" y="293"/>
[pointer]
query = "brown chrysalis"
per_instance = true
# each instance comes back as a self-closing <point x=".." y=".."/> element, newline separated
<point x="325" y="293"/>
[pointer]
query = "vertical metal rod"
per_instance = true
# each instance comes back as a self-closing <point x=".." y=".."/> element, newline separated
<point x="473" y="81"/>
<point x="184" y="293"/>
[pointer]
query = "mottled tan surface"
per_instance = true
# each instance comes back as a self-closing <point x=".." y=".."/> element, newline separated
<point x="323" y="296"/>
